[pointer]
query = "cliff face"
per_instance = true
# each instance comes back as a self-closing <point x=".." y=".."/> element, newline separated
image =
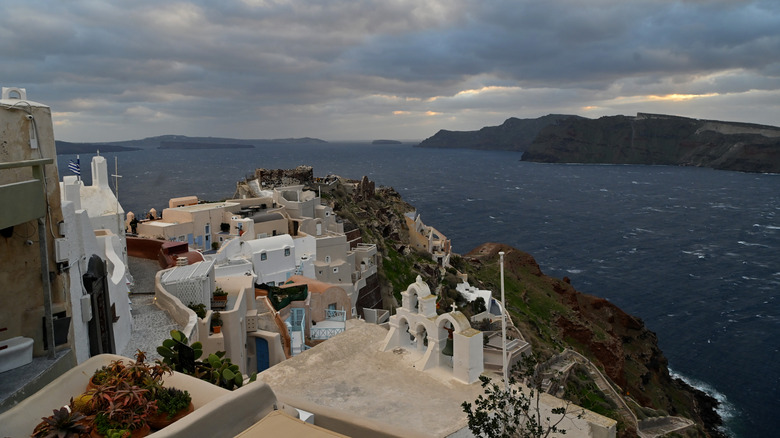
<point x="549" y="312"/>
<point x="513" y="135"/>
<point x="644" y="139"/>
<point x="552" y="314"/>
<point x="651" y="139"/>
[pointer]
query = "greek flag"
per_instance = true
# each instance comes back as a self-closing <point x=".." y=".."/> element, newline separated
<point x="75" y="167"/>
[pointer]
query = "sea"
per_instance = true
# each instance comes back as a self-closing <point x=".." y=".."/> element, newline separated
<point x="694" y="252"/>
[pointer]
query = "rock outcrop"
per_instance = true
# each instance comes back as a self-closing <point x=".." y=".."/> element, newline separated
<point x="644" y="139"/>
<point x="658" y="139"/>
<point x="513" y="135"/>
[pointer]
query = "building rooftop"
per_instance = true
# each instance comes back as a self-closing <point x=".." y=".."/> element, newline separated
<point x="349" y="373"/>
<point x="207" y="206"/>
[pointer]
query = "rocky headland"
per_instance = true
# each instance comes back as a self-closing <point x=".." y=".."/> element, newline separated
<point x="643" y="139"/>
<point x="550" y="313"/>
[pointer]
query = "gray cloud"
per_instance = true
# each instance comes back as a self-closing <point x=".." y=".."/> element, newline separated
<point x="367" y="69"/>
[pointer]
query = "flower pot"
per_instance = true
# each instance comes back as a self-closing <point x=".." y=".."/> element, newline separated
<point x="217" y="329"/>
<point x="161" y="420"/>
<point x="91" y="385"/>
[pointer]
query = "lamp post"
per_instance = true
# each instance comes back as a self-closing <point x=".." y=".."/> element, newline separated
<point x="503" y="325"/>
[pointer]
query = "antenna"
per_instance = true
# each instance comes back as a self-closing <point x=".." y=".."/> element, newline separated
<point x="116" y="176"/>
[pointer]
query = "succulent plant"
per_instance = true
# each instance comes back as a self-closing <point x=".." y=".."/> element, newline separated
<point x="172" y="400"/>
<point x="63" y="423"/>
<point x="178" y="355"/>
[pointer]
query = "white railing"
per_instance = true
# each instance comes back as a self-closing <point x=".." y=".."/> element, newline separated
<point x="325" y="333"/>
<point x="335" y="315"/>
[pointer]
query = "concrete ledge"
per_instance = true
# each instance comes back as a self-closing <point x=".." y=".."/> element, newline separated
<point x="22" y="382"/>
<point x="218" y="412"/>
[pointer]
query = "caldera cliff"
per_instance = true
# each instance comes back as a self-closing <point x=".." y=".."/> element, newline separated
<point x="643" y="139"/>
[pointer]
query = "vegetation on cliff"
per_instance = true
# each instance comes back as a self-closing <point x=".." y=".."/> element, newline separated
<point x="549" y="312"/>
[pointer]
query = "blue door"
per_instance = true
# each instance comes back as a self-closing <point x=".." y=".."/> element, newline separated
<point x="261" y="346"/>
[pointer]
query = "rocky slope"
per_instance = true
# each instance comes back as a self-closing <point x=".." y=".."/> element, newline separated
<point x="644" y="139"/>
<point x="550" y="313"/>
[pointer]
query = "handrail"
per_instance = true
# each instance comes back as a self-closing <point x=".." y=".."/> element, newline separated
<point x="335" y="315"/>
<point x="325" y="333"/>
<point x="26" y="163"/>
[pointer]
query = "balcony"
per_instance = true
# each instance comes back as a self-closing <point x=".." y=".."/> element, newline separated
<point x="334" y="323"/>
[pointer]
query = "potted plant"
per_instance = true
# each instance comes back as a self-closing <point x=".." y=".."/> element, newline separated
<point x="216" y="322"/>
<point x="178" y="355"/>
<point x="199" y="309"/>
<point x="138" y="373"/>
<point x="172" y="405"/>
<point x="64" y="422"/>
<point x="219" y="294"/>
<point x="121" y="406"/>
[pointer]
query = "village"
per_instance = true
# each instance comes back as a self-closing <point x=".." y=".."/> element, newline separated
<point x="272" y="280"/>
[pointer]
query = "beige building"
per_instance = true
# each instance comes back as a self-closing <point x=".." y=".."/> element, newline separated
<point x="33" y="284"/>
<point x="428" y="239"/>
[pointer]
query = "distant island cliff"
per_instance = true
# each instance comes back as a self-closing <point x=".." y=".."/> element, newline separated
<point x="177" y="142"/>
<point x="189" y="145"/>
<point x="386" y="142"/>
<point x="644" y="139"/>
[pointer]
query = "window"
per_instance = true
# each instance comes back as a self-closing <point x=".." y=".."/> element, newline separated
<point x="336" y="270"/>
<point x="287" y="252"/>
<point x="327" y="259"/>
<point x="263" y="256"/>
<point x="182" y="239"/>
<point x="332" y="306"/>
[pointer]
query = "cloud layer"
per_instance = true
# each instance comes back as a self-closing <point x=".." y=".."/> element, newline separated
<point x="347" y="69"/>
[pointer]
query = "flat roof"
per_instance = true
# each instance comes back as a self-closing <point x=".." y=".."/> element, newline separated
<point x="208" y="206"/>
<point x="349" y="373"/>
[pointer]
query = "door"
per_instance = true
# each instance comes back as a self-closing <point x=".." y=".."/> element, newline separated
<point x="101" y="327"/>
<point x="261" y="347"/>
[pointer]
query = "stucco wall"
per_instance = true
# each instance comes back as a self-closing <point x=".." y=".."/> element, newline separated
<point x="21" y="286"/>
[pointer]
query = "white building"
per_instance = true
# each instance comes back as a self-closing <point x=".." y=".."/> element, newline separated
<point x="94" y="225"/>
<point x="273" y="258"/>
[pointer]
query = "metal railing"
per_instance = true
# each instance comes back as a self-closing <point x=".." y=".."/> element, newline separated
<point x="325" y="333"/>
<point x="335" y="315"/>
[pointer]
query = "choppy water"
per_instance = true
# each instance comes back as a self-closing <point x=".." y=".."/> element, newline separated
<point x="694" y="252"/>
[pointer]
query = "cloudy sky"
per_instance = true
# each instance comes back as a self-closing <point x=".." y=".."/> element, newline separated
<point x="398" y="69"/>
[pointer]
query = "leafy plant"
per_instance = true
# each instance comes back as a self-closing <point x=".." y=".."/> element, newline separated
<point x="121" y="405"/>
<point x="216" y="320"/>
<point x="199" y="309"/>
<point x="178" y="354"/>
<point x="511" y="412"/>
<point x="218" y="292"/>
<point x="63" y="423"/>
<point x="172" y="400"/>
<point x="218" y="369"/>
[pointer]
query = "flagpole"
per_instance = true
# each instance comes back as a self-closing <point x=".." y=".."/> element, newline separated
<point x="503" y="325"/>
<point x="116" y="176"/>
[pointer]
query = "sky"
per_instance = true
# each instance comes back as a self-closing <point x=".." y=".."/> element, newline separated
<point x="390" y="69"/>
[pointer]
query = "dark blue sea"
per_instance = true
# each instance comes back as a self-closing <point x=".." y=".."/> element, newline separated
<point x="694" y="252"/>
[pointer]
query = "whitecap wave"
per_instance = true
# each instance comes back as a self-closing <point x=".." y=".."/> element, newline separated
<point x="742" y="242"/>
<point x="727" y="411"/>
